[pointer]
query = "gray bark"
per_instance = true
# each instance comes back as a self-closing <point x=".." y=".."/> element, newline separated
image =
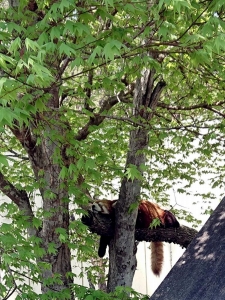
<point x="13" y="3"/>
<point x="56" y="205"/>
<point x="122" y="251"/>
<point x="53" y="192"/>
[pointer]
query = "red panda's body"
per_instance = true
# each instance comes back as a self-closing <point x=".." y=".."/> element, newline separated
<point x="147" y="211"/>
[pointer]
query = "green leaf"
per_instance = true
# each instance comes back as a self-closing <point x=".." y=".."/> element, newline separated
<point x="6" y="259"/>
<point x="31" y="45"/>
<point x="41" y="71"/>
<point x="133" y="173"/>
<point x="89" y="297"/>
<point x="3" y="80"/>
<point x="96" y="52"/>
<point x="63" y="236"/>
<point x="4" y="59"/>
<point x="36" y="222"/>
<point x="109" y="3"/>
<point x="55" y="33"/>
<point x="65" y="49"/>
<point x="81" y="28"/>
<point x="40" y="105"/>
<point x="15" y="46"/>
<point x="155" y="223"/>
<point x="63" y="173"/>
<point x="80" y="163"/>
<point x="52" y="248"/>
<point x="112" y="49"/>
<point x="5" y="227"/>
<point x="90" y="164"/>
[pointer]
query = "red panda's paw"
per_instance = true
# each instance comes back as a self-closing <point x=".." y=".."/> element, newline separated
<point x="103" y="243"/>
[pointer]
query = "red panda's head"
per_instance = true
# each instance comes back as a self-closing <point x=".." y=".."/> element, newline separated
<point x="105" y="207"/>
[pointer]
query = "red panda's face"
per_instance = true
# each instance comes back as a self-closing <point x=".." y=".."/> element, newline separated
<point x="100" y="208"/>
<point x="105" y="207"/>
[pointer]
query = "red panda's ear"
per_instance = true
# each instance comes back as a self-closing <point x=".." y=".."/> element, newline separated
<point x="170" y="220"/>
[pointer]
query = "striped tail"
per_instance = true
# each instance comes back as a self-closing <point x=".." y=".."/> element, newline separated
<point x="157" y="257"/>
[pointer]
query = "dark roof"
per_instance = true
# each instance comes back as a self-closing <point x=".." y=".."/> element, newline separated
<point x="200" y="272"/>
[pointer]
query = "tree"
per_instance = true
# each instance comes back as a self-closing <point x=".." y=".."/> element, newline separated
<point x="92" y="92"/>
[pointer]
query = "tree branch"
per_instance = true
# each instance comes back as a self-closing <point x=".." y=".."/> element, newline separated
<point x="104" y="225"/>
<point x="15" y="154"/>
<point x="99" y="117"/>
<point x="25" y="137"/>
<point x="20" y="198"/>
<point x="28" y="141"/>
<point x="191" y="107"/>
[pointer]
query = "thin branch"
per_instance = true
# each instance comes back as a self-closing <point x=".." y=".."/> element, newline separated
<point x="88" y="90"/>
<point x="194" y="22"/>
<point x="15" y="154"/>
<point x="10" y="293"/>
<point x="99" y="117"/>
<point x="137" y="51"/>
<point x="192" y="107"/>
<point x="127" y="120"/>
<point x="215" y="111"/>
<point x="20" y="198"/>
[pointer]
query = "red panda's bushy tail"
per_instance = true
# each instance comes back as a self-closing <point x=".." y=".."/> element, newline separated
<point x="157" y="257"/>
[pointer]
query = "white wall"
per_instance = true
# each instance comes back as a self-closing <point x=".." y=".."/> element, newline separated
<point x="144" y="280"/>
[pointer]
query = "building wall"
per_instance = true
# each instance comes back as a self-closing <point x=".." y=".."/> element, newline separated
<point x="145" y="281"/>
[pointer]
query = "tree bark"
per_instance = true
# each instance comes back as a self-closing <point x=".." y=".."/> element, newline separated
<point x="53" y="191"/>
<point x="122" y="250"/>
<point x="56" y="204"/>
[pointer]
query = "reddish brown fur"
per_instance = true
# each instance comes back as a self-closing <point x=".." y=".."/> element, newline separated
<point x="147" y="211"/>
<point x="157" y="257"/>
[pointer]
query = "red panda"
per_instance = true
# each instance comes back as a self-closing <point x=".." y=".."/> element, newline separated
<point x="147" y="211"/>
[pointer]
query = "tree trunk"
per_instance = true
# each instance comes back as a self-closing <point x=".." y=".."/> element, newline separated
<point x="56" y="208"/>
<point x="55" y="199"/>
<point x="54" y="193"/>
<point x="122" y="250"/>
